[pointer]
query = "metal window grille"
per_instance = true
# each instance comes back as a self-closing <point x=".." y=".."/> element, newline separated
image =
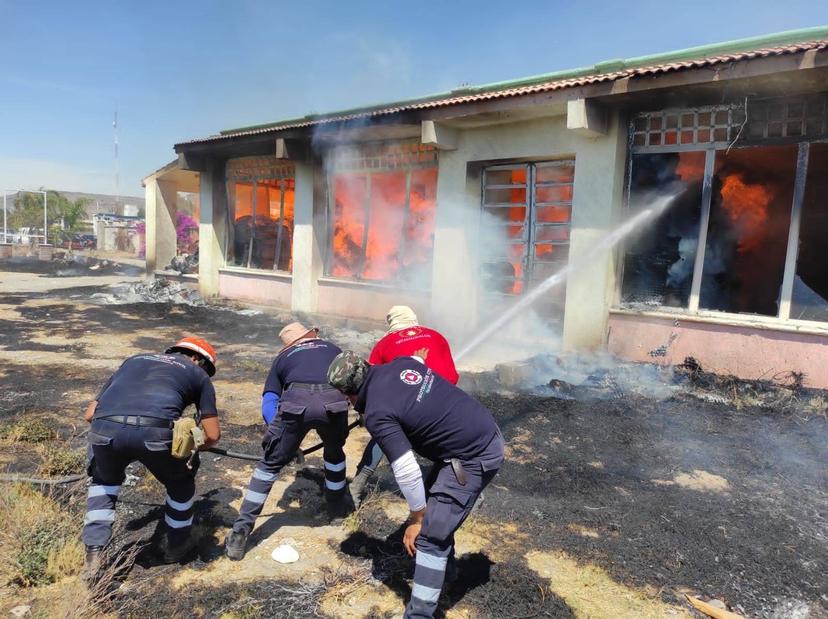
<point x="795" y="117"/>
<point x="710" y="126"/>
<point x="370" y="158"/>
<point x="800" y="120"/>
<point x="529" y="207"/>
<point x="384" y="156"/>
<point x="258" y="172"/>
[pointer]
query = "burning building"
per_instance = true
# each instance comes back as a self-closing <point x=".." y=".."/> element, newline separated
<point x="458" y="204"/>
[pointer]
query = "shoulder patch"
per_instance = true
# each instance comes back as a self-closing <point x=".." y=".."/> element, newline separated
<point x="411" y="377"/>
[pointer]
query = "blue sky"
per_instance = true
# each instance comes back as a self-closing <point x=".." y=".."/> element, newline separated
<point x="179" y="70"/>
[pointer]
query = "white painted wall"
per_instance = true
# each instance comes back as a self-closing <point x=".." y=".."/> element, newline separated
<point x="307" y="256"/>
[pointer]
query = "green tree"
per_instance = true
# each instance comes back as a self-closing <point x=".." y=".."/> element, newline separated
<point x="28" y="211"/>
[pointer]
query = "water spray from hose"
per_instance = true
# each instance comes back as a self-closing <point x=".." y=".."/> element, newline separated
<point x="607" y="242"/>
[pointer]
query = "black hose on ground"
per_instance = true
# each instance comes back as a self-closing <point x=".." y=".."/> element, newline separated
<point x="300" y="455"/>
<point x="17" y="478"/>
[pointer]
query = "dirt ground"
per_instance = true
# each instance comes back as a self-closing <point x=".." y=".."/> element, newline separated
<point x="606" y="506"/>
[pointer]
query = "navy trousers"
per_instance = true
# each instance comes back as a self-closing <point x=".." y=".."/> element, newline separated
<point x="323" y="409"/>
<point x="448" y="505"/>
<point x="114" y="447"/>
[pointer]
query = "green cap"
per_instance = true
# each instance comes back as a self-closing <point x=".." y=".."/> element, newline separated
<point x="347" y="371"/>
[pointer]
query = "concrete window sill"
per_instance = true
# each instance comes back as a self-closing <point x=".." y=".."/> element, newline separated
<point x="257" y="273"/>
<point x="766" y="323"/>
<point x="352" y="283"/>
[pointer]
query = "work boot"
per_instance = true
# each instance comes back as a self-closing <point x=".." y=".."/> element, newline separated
<point x="338" y="507"/>
<point x="176" y="553"/>
<point x="358" y="483"/>
<point x="92" y="564"/>
<point x="235" y="544"/>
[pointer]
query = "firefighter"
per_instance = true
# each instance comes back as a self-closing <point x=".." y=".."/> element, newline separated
<point x="296" y="398"/>
<point x="405" y="338"/>
<point x="132" y="419"/>
<point x="409" y="408"/>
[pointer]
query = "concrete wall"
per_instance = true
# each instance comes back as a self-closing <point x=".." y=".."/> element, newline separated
<point x="357" y="300"/>
<point x="160" y="197"/>
<point x="212" y="228"/>
<point x="307" y="251"/>
<point x="265" y="288"/>
<point x="744" y="351"/>
<point x="599" y="166"/>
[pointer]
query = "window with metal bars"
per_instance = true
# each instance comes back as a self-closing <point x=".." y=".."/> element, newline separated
<point x="742" y="233"/>
<point x="261" y="192"/>
<point x="527" y="210"/>
<point x="383" y="200"/>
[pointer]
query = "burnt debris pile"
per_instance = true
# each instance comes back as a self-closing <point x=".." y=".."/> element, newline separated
<point x="578" y="376"/>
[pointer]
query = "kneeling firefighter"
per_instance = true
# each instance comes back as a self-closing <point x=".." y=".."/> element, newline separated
<point x="296" y="399"/>
<point x="409" y="408"/>
<point x="133" y="418"/>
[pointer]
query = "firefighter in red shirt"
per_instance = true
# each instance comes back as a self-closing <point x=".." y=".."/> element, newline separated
<point x="405" y="338"/>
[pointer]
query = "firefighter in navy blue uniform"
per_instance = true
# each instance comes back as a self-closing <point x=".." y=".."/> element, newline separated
<point x="132" y="419"/>
<point x="408" y="408"/>
<point x="296" y="399"/>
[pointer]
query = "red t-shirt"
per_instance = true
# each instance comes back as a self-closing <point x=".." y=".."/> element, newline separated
<point x="421" y="342"/>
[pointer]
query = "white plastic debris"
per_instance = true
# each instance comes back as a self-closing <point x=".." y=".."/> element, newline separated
<point x="285" y="554"/>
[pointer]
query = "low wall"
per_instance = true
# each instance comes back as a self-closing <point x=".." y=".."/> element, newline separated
<point x="264" y="288"/>
<point x="750" y="352"/>
<point x="360" y="300"/>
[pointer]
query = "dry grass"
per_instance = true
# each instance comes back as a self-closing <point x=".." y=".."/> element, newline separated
<point x="58" y="460"/>
<point x="590" y="592"/>
<point x="27" y="431"/>
<point x="38" y="539"/>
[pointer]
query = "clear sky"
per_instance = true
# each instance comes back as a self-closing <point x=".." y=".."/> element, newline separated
<point x="181" y="70"/>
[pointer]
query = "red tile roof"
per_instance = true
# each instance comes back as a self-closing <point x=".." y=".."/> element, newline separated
<point x="441" y="101"/>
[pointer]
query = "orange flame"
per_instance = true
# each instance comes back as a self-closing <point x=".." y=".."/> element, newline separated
<point x="690" y="167"/>
<point x="395" y="240"/>
<point x="747" y="206"/>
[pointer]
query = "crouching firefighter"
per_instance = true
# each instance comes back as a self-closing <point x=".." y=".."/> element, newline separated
<point x="409" y="408"/>
<point x="296" y="399"/>
<point x="405" y="338"/>
<point x="132" y="419"/>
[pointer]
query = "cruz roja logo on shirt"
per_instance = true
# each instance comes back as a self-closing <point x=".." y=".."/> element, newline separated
<point x="411" y="377"/>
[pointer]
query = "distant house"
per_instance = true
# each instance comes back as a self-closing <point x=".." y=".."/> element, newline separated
<point x="461" y="202"/>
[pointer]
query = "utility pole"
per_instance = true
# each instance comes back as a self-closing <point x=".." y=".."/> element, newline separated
<point x="117" y="169"/>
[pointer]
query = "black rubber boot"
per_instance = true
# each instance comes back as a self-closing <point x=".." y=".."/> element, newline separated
<point x="235" y="544"/>
<point x="357" y="486"/>
<point x="92" y="564"/>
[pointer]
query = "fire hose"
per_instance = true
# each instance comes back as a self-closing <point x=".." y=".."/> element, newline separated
<point x="300" y="457"/>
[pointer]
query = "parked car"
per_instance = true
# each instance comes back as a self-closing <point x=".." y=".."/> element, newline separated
<point x="90" y="241"/>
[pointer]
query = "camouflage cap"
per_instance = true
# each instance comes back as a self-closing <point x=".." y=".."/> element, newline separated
<point x="347" y="371"/>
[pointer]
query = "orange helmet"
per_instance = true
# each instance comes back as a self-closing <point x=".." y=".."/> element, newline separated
<point x="200" y="346"/>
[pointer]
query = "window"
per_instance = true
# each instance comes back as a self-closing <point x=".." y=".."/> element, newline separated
<point x="261" y="193"/>
<point x="383" y="203"/>
<point x="809" y="295"/>
<point x="526" y="221"/>
<point x="744" y="232"/>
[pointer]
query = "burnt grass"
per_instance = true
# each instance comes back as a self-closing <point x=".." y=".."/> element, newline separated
<point x="606" y="465"/>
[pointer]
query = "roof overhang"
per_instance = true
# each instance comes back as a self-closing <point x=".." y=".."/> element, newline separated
<point x="759" y="72"/>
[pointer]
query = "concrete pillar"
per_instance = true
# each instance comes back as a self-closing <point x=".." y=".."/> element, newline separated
<point x="307" y="249"/>
<point x="211" y="227"/>
<point x="160" y="223"/>
<point x="597" y="203"/>
<point x="454" y="284"/>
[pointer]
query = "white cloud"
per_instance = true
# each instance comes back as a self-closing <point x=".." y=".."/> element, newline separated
<point x="22" y="173"/>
